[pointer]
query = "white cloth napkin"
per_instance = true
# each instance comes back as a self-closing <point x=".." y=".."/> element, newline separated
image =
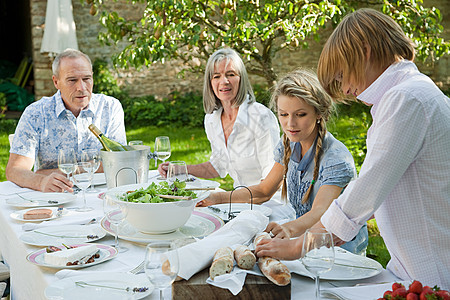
<point x="369" y="291"/>
<point x="72" y="218"/>
<point x="8" y="188"/>
<point x="241" y="230"/>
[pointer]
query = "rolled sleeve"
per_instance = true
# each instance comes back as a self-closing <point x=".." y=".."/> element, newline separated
<point x="337" y="222"/>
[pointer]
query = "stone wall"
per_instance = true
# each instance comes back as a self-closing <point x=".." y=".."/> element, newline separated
<point x="161" y="79"/>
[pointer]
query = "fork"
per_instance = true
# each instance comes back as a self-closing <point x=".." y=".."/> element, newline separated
<point x="37" y="201"/>
<point x="138" y="268"/>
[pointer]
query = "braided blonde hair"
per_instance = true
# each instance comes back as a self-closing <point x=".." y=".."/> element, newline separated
<point x="304" y="85"/>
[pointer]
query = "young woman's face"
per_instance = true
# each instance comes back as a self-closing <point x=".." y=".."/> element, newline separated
<point x="298" y="119"/>
<point x="225" y="81"/>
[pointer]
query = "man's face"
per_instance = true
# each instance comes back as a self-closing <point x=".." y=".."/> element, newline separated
<point x="75" y="82"/>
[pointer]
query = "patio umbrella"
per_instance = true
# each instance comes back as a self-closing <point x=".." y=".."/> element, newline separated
<point x="59" y="32"/>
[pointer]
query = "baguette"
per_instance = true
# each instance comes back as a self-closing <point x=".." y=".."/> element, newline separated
<point x="272" y="268"/>
<point x="245" y="259"/>
<point x="222" y="262"/>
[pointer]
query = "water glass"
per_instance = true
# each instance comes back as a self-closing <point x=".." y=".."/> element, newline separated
<point x="318" y="253"/>
<point x="91" y="156"/>
<point x="177" y="170"/>
<point x="137" y="142"/>
<point x="161" y="264"/>
<point x="82" y="178"/>
<point x="115" y="211"/>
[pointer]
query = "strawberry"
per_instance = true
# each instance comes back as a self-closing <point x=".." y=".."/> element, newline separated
<point x="427" y="294"/>
<point x="412" y="296"/>
<point x="387" y="295"/>
<point x="443" y="294"/>
<point x="416" y="287"/>
<point x="399" y="293"/>
<point x="396" y="285"/>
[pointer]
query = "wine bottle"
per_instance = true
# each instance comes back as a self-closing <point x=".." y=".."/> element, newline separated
<point x="108" y="144"/>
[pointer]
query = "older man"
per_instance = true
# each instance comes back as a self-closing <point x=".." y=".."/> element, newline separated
<point x="61" y="122"/>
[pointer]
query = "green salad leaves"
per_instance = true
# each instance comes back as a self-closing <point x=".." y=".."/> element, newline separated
<point x="149" y="195"/>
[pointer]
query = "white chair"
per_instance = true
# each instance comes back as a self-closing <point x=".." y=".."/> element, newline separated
<point x="10" y="137"/>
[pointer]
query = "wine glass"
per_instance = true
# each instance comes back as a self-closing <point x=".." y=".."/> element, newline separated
<point x="162" y="148"/>
<point x="67" y="161"/>
<point x="177" y="170"/>
<point x="115" y="211"/>
<point x="82" y="178"/>
<point x="318" y="253"/>
<point x="91" y="156"/>
<point x="161" y="264"/>
<point x="137" y="142"/>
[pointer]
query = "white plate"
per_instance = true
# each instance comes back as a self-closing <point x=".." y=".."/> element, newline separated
<point x="66" y="289"/>
<point x="236" y="208"/>
<point x="18" y="215"/>
<point x="99" y="179"/>
<point x="38" y="199"/>
<point x="131" y="187"/>
<point x="67" y="234"/>
<point x="106" y="253"/>
<point x="358" y="267"/>
<point x="199" y="225"/>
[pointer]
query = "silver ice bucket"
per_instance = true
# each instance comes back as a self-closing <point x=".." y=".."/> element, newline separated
<point x="126" y="167"/>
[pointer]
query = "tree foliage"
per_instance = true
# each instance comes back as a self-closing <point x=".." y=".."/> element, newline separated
<point x="190" y="30"/>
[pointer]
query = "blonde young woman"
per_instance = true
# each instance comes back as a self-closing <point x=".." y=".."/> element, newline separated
<point x="404" y="180"/>
<point x="311" y="164"/>
<point x="242" y="132"/>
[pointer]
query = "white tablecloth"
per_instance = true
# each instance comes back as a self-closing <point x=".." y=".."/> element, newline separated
<point x="30" y="281"/>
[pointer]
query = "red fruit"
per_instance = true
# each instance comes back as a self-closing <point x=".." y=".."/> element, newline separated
<point x="416" y="287"/>
<point x="412" y="296"/>
<point x="396" y="285"/>
<point x="399" y="293"/>
<point x="443" y="294"/>
<point x="387" y="294"/>
<point x="426" y="291"/>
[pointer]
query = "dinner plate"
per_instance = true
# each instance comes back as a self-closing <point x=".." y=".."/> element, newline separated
<point x="199" y="225"/>
<point x="99" y="179"/>
<point x="347" y="266"/>
<point x="222" y="209"/>
<point x="131" y="187"/>
<point x="67" y="289"/>
<point x="106" y="253"/>
<point x="67" y="234"/>
<point x="18" y="215"/>
<point x="38" y="199"/>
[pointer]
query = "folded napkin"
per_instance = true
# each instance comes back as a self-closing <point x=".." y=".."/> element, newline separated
<point x="8" y="188"/>
<point x="71" y="218"/>
<point x="241" y="230"/>
<point x="369" y="291"/>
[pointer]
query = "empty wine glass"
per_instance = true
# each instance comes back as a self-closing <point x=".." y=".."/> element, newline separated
<point x="177" y="170"/>
<point x="82" y="178"/>
<point x="161" y="264"/>
<point x="136" y="142"/>
<point x="115" y="211"/>
<point x="67" y="161"/>
<point x="162" y="148"/>
<point x="91" y="156"/>
<point x="318" y="253"/>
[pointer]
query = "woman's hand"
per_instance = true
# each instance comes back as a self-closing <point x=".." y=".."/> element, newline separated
<point x="278" y="231"/>
<point x="211" y="200"/>
<point x="162" y="169"/>
<point x="284" y="249"/>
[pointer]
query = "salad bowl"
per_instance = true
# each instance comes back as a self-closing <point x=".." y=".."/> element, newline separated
<point x="155" y="218"/>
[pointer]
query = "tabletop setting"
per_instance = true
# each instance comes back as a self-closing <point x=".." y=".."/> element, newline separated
<point x="133" y="234"/>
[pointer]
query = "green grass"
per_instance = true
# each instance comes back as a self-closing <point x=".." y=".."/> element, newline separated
<point x="191" y="145"/>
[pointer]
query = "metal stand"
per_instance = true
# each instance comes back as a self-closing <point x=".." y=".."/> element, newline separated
<point x="231" y="215"/>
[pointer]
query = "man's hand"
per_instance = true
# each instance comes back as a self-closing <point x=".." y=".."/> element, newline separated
<point x="284" y="249"/>
<point x="162" y="169"/>
<point x="278" y="231"/>
<point x="56" y="182"/>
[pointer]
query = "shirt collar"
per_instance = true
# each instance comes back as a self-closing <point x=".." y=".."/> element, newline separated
<point x="60" y="107"/>
<point x="305" y="160"/>
<point x="242" y="116"/>
<point x="389" y="78"/>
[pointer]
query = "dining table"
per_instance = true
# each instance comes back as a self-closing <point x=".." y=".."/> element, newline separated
<point x="30" y="280"/>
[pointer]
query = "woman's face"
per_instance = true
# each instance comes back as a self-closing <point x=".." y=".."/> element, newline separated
<point x="225" y="81"/>
<point x="298" y="119"/>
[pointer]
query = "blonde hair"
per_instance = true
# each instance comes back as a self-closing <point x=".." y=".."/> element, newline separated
<point x="304" y="85"/>
<point x="345" y="52"/>
<point x="210" y="101"/>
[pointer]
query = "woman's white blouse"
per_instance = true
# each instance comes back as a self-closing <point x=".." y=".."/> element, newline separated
<point x="248" y="155"/>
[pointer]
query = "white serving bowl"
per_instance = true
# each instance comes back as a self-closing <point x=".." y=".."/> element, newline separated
<point x="156" y="218"/>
